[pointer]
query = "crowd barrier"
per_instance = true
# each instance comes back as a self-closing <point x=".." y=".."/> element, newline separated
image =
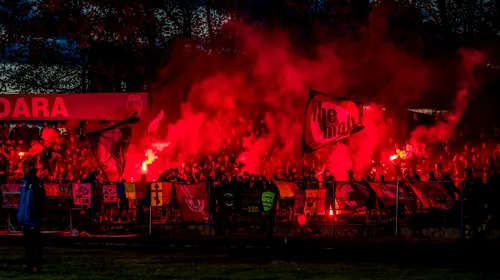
<point x="393" y="205"/>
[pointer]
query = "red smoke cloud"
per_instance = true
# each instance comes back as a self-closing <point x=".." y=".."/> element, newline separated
<point x="50" y="137"/>
<point x="210" y="100"/>
<point x="442" y="130"/>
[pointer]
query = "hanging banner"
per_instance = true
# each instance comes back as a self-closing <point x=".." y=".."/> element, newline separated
<point x="193" y="201"/>
<point x="250" y="203"/>
<point x="386" y="191"/>
<point x="350" y="196"/>
<point x="109" y="193"/>
<point x="82" y="194"/>
<point x="434" y="195"/>
<point x="10" y="194"/>
<point x="286" y="188"/>
<point x="130" y="191"/>
<point x="160" y="193"/>
<point x="59" y="190"/>
<point x="329" y="120"/>
<point x="141" y="188"/>
<point x="81" y="106"/>
<point x="299" y="201"/>
<point x="315" y="202"/>
<point x="227" y="199"/>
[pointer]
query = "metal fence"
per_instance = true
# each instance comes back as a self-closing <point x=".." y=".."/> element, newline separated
<point x="401" y="208"/>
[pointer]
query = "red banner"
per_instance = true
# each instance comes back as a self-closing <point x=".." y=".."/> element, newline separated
<point x="83" y="106"/>
<point x="350" y="196"/>
<point x="434" y="195"/>
<point x="141" y="190"/>
<point x="315" y="202"/>
<point x="58" y="190"/>
<point x="286" y="188"/>
<point x="386" y="191"/>
<point x="193" y="201"/>
<point x="82" y="194"/>
<point x="11" y="188"/>
<point x="109" y="193"/>
<point x="11" y="193"/>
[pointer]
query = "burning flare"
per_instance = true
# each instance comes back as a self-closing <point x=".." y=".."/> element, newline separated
<point x="151" y="157"/>
<point x="402" y="154"/>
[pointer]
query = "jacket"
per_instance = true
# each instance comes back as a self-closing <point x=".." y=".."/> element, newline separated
<point x="31" y="200"/>
<point x="120" y="190"/>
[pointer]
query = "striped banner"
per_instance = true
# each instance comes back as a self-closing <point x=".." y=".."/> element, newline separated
<point x="130" y="191"/>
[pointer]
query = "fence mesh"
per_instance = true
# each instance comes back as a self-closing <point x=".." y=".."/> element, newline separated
<point x="400" y="208"/>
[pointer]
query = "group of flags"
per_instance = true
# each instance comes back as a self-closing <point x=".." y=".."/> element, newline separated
<point x="80" y="193"/>
<point x="160" y="192"/>
<point x="192" y="198"/>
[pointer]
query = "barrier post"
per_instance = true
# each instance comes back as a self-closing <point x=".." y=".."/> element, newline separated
<point x="71" y="220"/>
<point x="92" y="202"/>
<point x="397" y="208"/>
<point x="334" y="210"/>
<point x="9" y="224"/>
<point x="150" y="218"/>
<point x="462" y="210"/>
<point x="209" y="209"/>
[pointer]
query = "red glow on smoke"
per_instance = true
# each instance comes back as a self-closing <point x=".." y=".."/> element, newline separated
<point x="217" y="109"/>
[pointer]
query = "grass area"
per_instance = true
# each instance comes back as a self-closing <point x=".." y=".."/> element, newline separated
<point x="113" y="263"/>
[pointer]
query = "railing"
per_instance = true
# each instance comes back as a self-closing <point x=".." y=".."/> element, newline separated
<point x="400" y="208"/>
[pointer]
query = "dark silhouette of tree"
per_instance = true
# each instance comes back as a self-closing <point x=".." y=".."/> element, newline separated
<point x="111" y="45"/>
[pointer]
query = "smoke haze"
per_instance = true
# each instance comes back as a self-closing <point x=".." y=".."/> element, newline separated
<point x="211" y="100"/>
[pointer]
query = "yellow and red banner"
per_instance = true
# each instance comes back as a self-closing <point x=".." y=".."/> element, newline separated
<point x="160" y="193"/>
<point x="286" y="189"/>
<point x="130" y="191"/>
<point x="315" y="202"/>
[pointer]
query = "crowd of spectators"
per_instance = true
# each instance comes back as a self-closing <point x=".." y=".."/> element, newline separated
<point x="64" y="155"/>
<point x="430" y="161"/>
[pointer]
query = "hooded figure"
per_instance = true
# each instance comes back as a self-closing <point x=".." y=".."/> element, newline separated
<point x="96" y="194"/>
<point x="30" y="215"/>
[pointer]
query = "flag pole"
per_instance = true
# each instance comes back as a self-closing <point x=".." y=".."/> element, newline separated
<point x="131" y="120"/>
<point x="97" y="160"/>
<point x="303" y="132"/>
<point x="209" y="209"/>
